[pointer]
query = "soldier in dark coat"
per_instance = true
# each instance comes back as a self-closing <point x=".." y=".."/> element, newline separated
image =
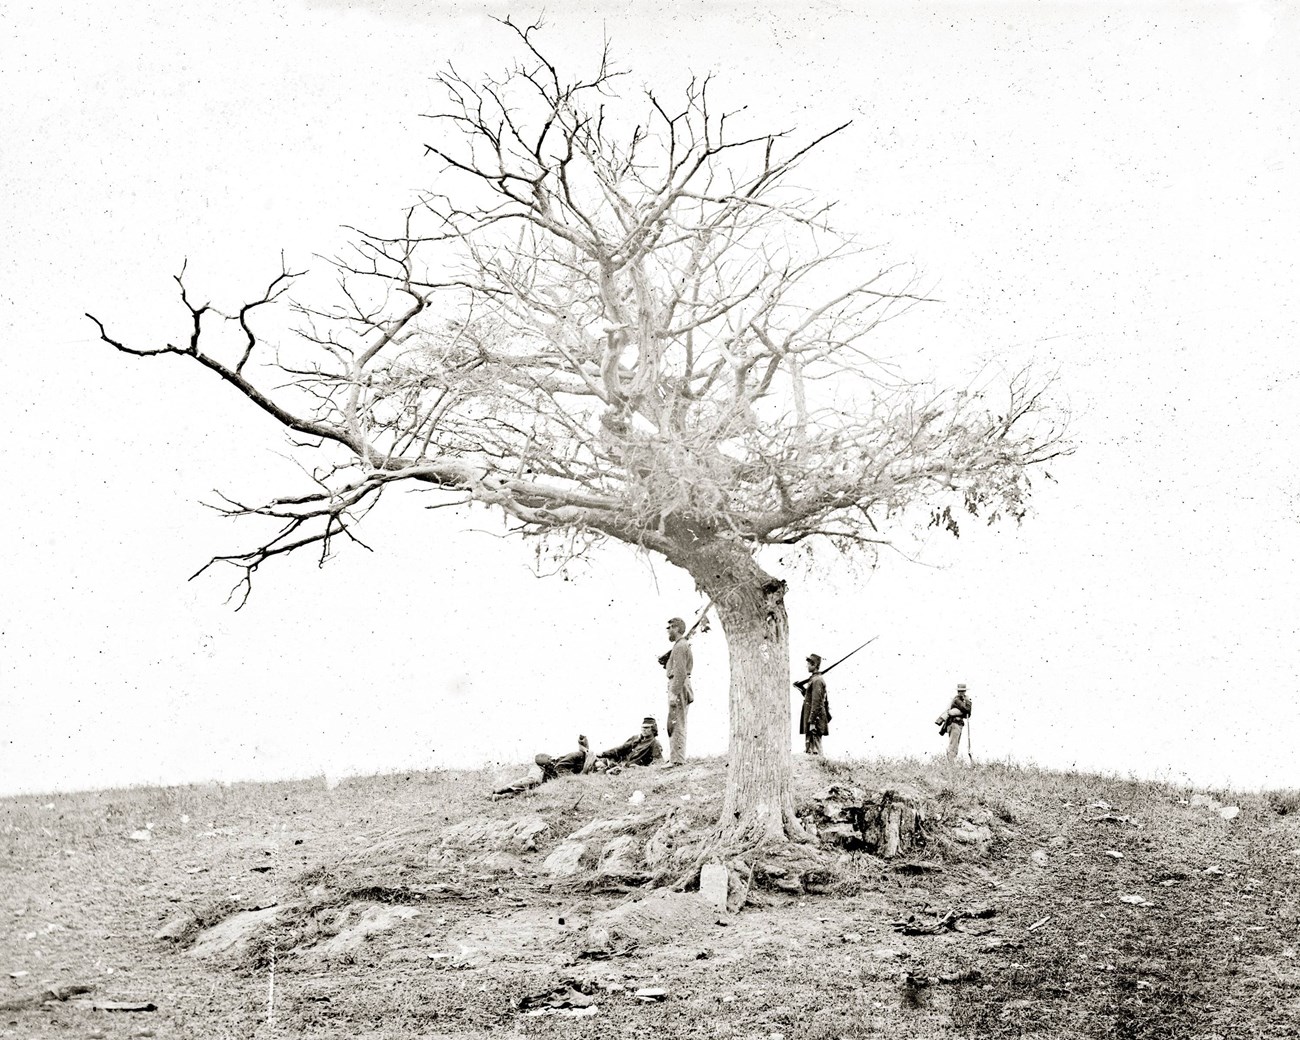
<point x="639" y="750"/>
<point x="815" y="716"/>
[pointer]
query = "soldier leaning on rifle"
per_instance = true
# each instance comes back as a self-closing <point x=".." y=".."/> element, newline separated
<point x="953" y="721"/>
<point x="680" y="694"/>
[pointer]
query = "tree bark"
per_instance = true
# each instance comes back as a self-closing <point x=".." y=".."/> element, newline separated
<point x="750" y="603"/>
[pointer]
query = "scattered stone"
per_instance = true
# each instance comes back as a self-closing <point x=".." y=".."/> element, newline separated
<point x="1229" y="812"/>
<point x="1135" y="900"/>
<point x="563" y="861"/>
<point x="969" y="834"/>
<point x="1169" y="883"/>
<point x="1039" y="857"/>
<point x="713" y="885"/>
<point x="1113" y="854"/>
<point x="1203" y="801"/>
<point x="142" y="835"/>
<point x="1104" y="806"/>
<point x="888" y="953"/>
<point x="1214" y="870"/>
<point x="636" y="798"/>
<point x="651" y="994"/>
<point x="851" y="937"/>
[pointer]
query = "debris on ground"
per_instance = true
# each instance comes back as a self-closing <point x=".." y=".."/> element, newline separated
<point x="1117" y="820"/>
<point x="949" y="922"/>
<point x="48" y="995"/>
<point x="569" y="994"/>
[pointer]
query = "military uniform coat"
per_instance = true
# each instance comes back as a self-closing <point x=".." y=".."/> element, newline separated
<point x="815" y="716"/>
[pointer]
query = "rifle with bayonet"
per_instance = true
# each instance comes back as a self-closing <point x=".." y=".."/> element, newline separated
<point x="802" y="684"/>
<point x="701" y="624"/>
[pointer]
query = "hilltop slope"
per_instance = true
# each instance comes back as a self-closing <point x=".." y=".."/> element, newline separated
<point x="1041" y="904"/>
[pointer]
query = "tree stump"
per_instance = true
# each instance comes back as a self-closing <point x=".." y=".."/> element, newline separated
<point x="887" y="823"/>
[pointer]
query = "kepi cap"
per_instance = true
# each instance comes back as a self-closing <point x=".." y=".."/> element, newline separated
<point x="961" y="687"/>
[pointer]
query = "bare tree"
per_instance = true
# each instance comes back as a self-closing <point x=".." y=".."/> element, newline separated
<point x="617" y="319"/>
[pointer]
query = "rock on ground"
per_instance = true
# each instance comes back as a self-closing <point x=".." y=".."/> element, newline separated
<point x="372" y="919"/>
<point x="234" y="933"/>
<point x="713" y="886"/>
<point x="564" y="860"/>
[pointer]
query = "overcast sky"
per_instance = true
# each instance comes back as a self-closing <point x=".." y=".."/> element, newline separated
<point x="1107" y="191"/>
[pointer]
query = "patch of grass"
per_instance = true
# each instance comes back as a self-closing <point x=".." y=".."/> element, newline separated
<point x="1284" y="802"/>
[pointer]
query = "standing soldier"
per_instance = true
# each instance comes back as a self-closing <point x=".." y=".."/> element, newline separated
<point x="815" y="716"/>
<point x="680" y="695"/>
<point x="953" y="721"/>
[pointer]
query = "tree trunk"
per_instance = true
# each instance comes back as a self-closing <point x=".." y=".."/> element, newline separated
<point x="759" y="806"/>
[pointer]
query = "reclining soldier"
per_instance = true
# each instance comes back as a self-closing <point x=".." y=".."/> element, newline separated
<point x="545" y="768"/>
<point x="639" y="750"/>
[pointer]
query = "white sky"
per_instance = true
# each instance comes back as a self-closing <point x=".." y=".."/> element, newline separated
<point x="1107" y="190"/>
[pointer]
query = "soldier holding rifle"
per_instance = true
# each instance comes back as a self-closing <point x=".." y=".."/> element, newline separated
<point x="815" y="715"/>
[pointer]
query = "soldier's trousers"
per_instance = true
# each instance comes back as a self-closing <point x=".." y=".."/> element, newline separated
<point x="955" y="731"/>
<point x="677" y="731"/>
<point x="812" y="743"/>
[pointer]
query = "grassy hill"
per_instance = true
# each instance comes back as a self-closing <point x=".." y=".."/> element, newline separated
<point x="412" y="905"/>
